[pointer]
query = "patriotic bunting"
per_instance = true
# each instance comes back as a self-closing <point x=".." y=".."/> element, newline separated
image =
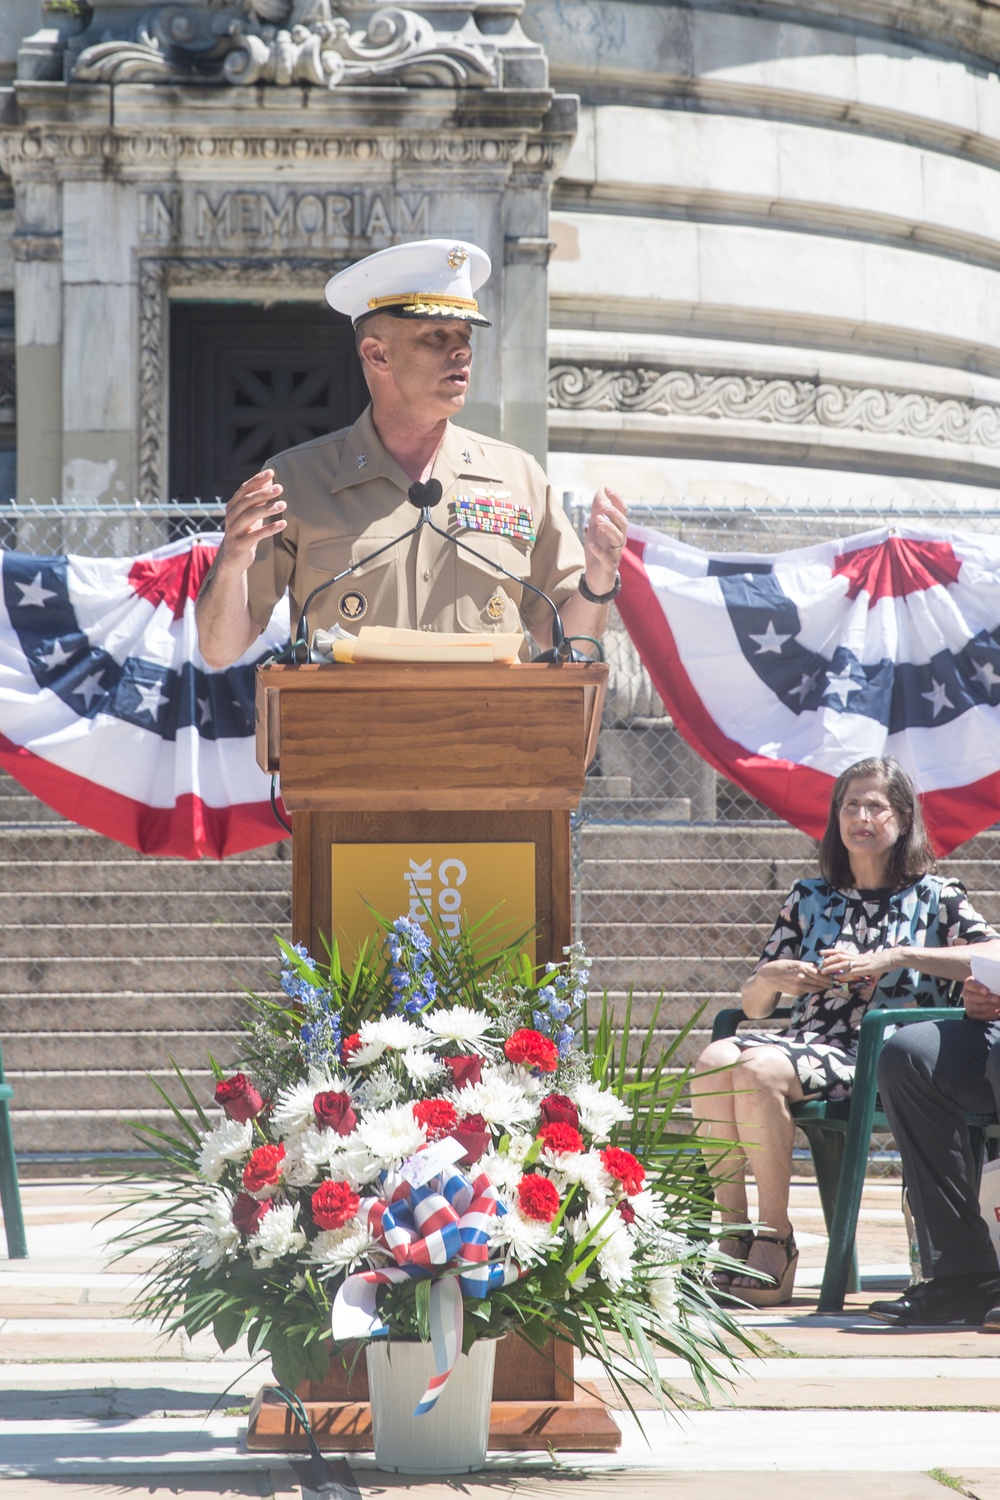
<point x="784" y="669"/>
<point x="110" y="716"/>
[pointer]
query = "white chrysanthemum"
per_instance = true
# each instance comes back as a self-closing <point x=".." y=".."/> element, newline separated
<point x="389" y="1031"/>
<point x="528" y="1241"/>
<point x="502" y="1170"/>
<point x="614" y="1244"/>
<point x="293" y="1108"/>
<point x="380" y="1089"/>
<point x="346" y="1249"/>
<point x="662" y="1293"/>
<point x="391" y="1135"/>
<point x="319" y="1154"/>
<point x="459" y="1024"/>
<point x="278" y="1235"/>
<point x="600" y="1111"/>
<point x="307" y="1157"/>
<point x="219" y="1239"/>
<point x="584" y="1167"/>
<point x="227" y="1142"/>
<point x="519" y="1145"/>
<point x="500" y="1099"/>
<point x="423" y="1067"/>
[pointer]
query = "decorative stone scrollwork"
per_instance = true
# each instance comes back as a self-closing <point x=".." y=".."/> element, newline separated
<point x="749" y="398"/>
<point x="289" y="42"/>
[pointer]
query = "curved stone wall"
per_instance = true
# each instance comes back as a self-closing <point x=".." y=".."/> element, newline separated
<point x="777" y="262"/>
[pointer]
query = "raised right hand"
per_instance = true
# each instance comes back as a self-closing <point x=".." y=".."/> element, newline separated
<point x="249" y="519"/>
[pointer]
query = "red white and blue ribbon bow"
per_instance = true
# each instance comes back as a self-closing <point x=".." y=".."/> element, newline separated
<point x="109" y="714"/>
<point x="782" y="670"/>
<point x="440" y="1231"/>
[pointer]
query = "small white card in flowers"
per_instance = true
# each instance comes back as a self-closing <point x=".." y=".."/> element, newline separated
<point x="419" y="1168"/>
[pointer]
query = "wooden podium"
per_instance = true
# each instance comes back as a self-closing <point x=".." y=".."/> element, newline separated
<point x="382" y="754"/>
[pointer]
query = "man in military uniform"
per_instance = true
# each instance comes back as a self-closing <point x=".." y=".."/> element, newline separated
<point x="331" y="502"/>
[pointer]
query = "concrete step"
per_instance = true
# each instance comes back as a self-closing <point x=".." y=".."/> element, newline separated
<point x="649" y="874"/>
<point x="716" y="975"/>
<point x="121" y="1012"/>
<point x="28" y="870"/>
<point x="700" y="841"/>
<point x="107" y="1088"/>
<point x="136" y="1051"/>
<point x="251" y="941"/>
<point x="265" y="911"/>
<point x="80" y="976"/>
<point x="758" y="908"/>
<point x="99" y="1132"/>
<point x="679" y="939"/>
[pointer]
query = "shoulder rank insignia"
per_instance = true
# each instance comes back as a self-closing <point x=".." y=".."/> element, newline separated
<point x="493" y="511"/>
<point x="353" y="605"/>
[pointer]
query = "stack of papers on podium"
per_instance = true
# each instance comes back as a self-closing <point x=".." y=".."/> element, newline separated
<point x="381" y="643"/>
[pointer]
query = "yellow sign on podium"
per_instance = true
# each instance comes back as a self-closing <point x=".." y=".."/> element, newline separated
<point x="453" y="884"/>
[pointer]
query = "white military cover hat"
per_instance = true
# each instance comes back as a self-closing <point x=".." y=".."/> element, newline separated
<point x="422" y="279"/>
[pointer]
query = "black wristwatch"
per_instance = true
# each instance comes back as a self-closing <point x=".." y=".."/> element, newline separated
<point x="593" y="598"/>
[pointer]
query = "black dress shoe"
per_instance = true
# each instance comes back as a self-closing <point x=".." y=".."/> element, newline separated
<point x="951" y="1300"/>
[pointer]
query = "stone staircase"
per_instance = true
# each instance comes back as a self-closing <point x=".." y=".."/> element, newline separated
<point x="112" y="964"/>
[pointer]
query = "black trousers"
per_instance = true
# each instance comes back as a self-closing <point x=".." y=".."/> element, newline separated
<point x="929" y="1075"/>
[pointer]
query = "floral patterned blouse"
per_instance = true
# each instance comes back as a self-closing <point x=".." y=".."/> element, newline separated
<point x="934" y="912"/>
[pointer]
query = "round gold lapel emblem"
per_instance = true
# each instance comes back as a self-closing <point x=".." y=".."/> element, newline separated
<point x="353" y="605"/>
<point x="496" y="607"/>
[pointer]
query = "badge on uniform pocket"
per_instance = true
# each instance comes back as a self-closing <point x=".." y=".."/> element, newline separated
<point x="353" y="605"/>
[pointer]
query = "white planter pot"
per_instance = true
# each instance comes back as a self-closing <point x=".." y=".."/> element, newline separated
<point x="449" y="1439"/>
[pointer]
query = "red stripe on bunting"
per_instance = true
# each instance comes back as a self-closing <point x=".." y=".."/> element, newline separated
<point x="799" y="794"/>
<point x="191" y="829"/>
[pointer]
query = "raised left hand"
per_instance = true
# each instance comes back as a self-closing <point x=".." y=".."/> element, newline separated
<point x="604" y="539"/>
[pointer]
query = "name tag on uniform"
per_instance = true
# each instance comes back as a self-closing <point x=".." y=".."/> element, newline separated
<point x="493" y="511"/>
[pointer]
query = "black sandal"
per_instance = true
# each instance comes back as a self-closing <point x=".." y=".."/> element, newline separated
<point x="770" y="1292"/>
<point x="720" y="1280"/>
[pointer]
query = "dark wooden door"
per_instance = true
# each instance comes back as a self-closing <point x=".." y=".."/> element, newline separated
<point x="246" y="382"/>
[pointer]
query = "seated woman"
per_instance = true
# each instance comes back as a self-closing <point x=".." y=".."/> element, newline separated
<point x="868" y="933"/>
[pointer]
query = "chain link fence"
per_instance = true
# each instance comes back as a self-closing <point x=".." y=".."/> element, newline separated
<point x="679" y="873"/>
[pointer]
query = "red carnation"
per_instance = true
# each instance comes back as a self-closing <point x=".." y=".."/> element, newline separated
<point x="464" y="1070"/>
<point x="538" y="1198"/>
<point x="262" y="1172"/>
<point x="349" y="1046"/>
<point x="334" y="1204"/>
<point x="532" y="1049"/>
<point x="623" y="1166"/>
<point x="436" y="1117"/>
<point x="626" y="1210"/>
<point x="333" y="1112"/>
<point x="561" y="1138"/>
<point x="238" y="1098"/>
<point x="248" y="1212"/>
<point x="473" y="1133"/>
<point x="559" y="1109"/>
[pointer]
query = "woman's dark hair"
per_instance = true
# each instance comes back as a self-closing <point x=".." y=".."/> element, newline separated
<point x="910" y="857"/>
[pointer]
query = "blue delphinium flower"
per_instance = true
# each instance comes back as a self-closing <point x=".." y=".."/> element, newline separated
<point x="414" y="987"/>
<point x="320" y="1032"/>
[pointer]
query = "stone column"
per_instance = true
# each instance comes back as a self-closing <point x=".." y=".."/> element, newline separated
<point x="37" y="243"/>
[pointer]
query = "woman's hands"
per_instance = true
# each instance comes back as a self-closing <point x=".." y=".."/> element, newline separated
<point x="839" y="966"/>
<point x="980" y="1003"/>
<point x="793" y="976"/>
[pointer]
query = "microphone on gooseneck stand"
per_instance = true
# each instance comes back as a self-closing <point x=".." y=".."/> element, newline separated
<point x="424" y="496"/>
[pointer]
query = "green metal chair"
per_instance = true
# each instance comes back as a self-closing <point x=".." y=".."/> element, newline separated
<point x="10" y="1193"/>
<point x="839" y="1133"/>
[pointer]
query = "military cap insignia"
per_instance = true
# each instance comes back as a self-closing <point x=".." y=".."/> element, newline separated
<point x="353" y="605"/>
<point x="457" y="256"/>
<point x="493" y="511"/>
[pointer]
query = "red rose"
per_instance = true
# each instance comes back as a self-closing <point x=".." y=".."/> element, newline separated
<point x="473" y="1133"/>
<point x="247" y="1213"/>
<point x="623" y="1166"/>
<point x="349" y="1046"/>
<point x="559" y="1109"/>
<point x="436" y="1117"/>
<point x="334" y="1204"/>
<point x="626" y="1210"/>
<point x="538" y="1198"/>
<point x="561" y="1138"/>
<point x="532" y="1049"/>
<point x="238" y="1098"/>
<point x="262" y="1172"/>
<point x="334" y="1112"/>
<point x="464" y="1070"/>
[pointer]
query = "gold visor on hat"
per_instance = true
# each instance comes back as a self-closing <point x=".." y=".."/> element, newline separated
<point x="430" y="305"/>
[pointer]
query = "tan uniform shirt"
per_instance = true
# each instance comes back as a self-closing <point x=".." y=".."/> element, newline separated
<point x="347" y="496"/>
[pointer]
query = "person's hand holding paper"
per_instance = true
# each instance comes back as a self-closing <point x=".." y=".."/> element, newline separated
<point x="981" y="993"/>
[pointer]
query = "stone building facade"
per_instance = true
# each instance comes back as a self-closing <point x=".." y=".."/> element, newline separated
<point x="742" y="251"/>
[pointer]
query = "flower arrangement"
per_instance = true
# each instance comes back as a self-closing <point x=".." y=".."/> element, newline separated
<point x="436" y="1142"/>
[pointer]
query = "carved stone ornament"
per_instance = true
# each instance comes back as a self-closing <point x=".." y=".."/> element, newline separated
<point x="743" y="398"/>
<point x="289" y="42"/>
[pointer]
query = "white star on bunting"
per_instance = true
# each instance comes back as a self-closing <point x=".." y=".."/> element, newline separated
<point x="57" y="657"/>
<point x="34" y="594"/>
<point x="151" y="698"/>
<point x="987" y="675"/>
<point x="91" y="687"/>
<point x="843" y="685"/>
<point x="938" y="697"/>
<point x="770" y="640"/>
